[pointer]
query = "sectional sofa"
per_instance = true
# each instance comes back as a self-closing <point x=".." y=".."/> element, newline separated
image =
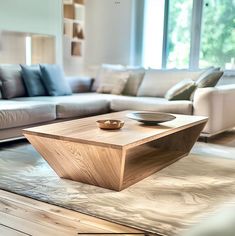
<point x="145" y="92"/>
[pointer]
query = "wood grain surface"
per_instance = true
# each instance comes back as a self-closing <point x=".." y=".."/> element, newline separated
<point x="24" y="216"/>
<point x="165" y="203"/>
<point x="153" y="148"/>
<point x="132" y="134"/>
<point x="100" y="166"/>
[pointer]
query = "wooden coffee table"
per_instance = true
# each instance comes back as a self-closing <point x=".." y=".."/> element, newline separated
<point x="80" y="151"/>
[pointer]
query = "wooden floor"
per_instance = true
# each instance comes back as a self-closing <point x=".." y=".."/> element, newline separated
<point x="24" y="216"/>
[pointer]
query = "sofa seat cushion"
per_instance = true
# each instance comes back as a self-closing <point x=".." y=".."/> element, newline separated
<point x="76" y="97"/>
<point x="151" y="104"/>
<point x="82" y="108"/>
<point x="16" y="114"/>
<point x="76" y="105"/>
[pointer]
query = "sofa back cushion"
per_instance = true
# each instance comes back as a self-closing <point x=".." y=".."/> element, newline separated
<point x="12" y="83"/>
<point x="157" y="82"/>
<point x="80" y="84"/>
<point x="33" y="80"/>
<point x="54" y="80"/>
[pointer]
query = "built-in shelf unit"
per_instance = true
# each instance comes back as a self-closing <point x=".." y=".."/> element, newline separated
<point x="74" y="24"/>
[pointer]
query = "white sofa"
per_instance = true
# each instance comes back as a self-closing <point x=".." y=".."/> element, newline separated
<point x="214" y="102"/>
<point x="218" y="105"/>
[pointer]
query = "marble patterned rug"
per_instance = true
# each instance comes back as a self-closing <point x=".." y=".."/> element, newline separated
<point x="165" y="203"/>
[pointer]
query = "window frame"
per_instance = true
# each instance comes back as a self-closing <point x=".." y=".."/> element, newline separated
<point x="195" y="36"/>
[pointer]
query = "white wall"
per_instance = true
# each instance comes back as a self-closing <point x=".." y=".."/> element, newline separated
<point x="34" y="16"/>
<point x="108" y="31"/>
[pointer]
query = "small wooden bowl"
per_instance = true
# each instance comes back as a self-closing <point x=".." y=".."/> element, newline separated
<point x="110" y="124"/>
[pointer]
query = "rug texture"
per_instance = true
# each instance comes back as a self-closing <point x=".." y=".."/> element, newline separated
<point x="165" y="203"/>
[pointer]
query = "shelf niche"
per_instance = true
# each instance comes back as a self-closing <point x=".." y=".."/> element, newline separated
<point x="76" y="49"/>
<point x="74" y="21"/>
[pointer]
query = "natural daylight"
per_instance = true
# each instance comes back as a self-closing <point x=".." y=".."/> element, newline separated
<point x="117" y="117"/>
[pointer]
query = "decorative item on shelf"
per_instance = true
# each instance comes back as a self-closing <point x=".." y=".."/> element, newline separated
<point x="110" y="124"/>
<point x="76" y="49"/>
<point x="150" y="118"/>
<point x="74" y="24"/>
<point x="78" y="31"/>
<point x="73" y="30"/>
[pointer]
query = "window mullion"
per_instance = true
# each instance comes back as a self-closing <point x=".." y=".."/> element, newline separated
<point x="196" y="34"/>
<point x="165" y="35"/>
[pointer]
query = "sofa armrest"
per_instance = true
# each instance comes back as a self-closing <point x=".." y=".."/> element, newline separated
<point x="217" y="104"/>
<point x="80" y="84"/>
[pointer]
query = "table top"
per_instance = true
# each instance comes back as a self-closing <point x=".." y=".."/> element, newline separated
<point x="132" y="134"/>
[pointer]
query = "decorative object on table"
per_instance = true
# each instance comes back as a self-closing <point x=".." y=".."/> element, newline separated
<point x="110" y="124"/>
<point x="151" y="118"/>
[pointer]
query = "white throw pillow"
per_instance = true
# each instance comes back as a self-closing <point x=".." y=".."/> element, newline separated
<point x="106" y="69"/>
<point x="113" y="82"/>
<point x="135" y="77"/>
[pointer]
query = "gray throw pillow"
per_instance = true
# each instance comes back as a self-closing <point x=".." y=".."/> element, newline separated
<point x="210" y="80"/>
<point x="12" y="83"/>
<point x="33" y="80"/>
<point x="181" y="91"/>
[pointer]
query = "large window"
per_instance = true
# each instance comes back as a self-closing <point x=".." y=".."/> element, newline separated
<point x="218" y="33"/>
<point x="178" y="35"/>
<point x="196" y="33"/>
<point x="153" y="33"/>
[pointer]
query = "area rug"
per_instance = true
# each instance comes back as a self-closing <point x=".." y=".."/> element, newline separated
<point x="165" y="203"/>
